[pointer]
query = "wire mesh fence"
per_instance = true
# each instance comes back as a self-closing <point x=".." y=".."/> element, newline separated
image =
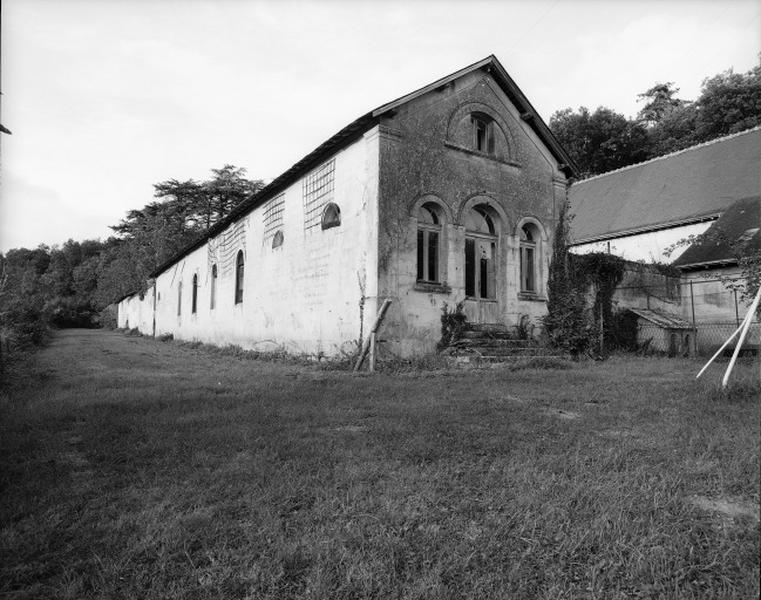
<point x="713" y="307"/>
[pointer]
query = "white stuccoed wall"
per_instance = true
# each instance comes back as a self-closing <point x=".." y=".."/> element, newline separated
<point x="646" y="247"/>
<point x="132" y="312"/>
<point x="303" y="297"/>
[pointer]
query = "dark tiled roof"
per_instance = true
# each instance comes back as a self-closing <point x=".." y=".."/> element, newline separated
<point x="694" y="184"/>
<point x="364" y="123"/>
<point x="738" y="229"/>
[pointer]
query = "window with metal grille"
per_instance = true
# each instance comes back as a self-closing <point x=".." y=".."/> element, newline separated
<point x="318" y="191"/>
<point x="273" y="216"/>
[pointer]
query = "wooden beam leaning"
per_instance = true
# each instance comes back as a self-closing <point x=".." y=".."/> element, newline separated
<point x="371" y="337"/>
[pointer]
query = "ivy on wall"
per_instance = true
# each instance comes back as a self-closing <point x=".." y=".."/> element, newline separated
<point x="579" y="296"/>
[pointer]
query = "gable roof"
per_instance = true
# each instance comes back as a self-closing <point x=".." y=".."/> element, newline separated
<point x="688" y="186"/>
<point x="361" y="125"/>
<point x="739" y="225"/>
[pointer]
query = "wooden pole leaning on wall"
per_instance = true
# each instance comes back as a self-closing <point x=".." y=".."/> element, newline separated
<point x="370" y="341"/>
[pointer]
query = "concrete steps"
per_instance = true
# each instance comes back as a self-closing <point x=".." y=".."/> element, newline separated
<point x="494" y="343"/>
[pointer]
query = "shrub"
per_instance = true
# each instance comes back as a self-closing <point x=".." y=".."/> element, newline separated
<point x="452" y="324"/>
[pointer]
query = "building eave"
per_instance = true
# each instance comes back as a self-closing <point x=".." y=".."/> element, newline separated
<point x="646" y="229"/>
<point x="334" y="144"/>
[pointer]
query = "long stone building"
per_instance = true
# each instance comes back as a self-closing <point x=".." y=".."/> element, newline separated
<point x="449" y="194"/>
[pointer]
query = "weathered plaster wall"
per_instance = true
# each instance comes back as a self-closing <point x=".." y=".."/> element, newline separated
<point x="425" y="154"/>
<point x="303" y="297"/>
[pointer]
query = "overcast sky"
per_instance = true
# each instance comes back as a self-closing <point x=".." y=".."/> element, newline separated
<point x="106" y="98"/>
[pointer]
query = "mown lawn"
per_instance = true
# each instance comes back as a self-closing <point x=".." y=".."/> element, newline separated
<point x="133" y="468"/>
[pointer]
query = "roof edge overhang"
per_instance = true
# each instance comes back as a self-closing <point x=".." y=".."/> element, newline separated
<point x="516" y="96"/>
<point x="334" y="144"/>
<point x="647" y="229"/>
<point x="707" y="264"/>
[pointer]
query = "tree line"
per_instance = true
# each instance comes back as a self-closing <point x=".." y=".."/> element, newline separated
<point x="71" y="285"/>
<point x="605" y="140"/>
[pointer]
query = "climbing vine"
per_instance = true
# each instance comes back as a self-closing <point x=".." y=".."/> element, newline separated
<point x="580" y="293"/>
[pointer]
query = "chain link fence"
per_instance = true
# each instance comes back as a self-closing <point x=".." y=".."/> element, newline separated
<point x="713" y="307"/>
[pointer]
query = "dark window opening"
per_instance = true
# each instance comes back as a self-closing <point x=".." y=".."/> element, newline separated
<point x="194" y="296"/>
<point x="179" y="298"/>
<point x="277" y="239"/>
<point x="331" y="216"/>
<point x="470" y="267"/>
<point x="483" y="134"/>
<point x="528" y="257"/>
<point x="239" y="277"/>
<point x="213" y="299"/>
<point x="428" y="244"/>
<point x="480" y="255"/>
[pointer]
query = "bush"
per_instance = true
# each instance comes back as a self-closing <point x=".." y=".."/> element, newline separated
<point x="452" y="325"/>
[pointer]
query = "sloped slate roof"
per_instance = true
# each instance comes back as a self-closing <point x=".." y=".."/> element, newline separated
<point x="739" y="226"/>
<point x="366" y="122"/>
<point x="661" y="318"/>
<point x="698" y="183"/>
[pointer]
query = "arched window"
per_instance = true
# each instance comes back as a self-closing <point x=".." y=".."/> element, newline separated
<point x="179" y="298"/>
<point x="239" y="277"/>
<point x="194" y="296"/>
<point x="483" y="133"/>
<point x="529" y="235"/>
<point x="213" y="298"/>
<point x="428" y="243"/>
<point x="331" y="216"/>
<point x="480" y="254"/>
<point x="277" y="239"/>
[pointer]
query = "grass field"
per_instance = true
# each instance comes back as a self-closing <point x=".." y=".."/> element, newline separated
<point x="133" y="468"/>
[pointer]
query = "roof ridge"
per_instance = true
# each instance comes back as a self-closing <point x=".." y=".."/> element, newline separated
<point x="670" y="154"/>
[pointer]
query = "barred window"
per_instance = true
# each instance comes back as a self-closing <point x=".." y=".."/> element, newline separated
<point x="273" y="216"/>
<point x="318" y="191"/>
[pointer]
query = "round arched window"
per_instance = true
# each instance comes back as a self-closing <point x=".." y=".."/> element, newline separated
<point x="331" y="216"/>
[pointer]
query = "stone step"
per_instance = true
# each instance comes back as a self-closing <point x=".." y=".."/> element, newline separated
<point x="504" y="351"/>
<point x="490" y="327"/>
<point x="467" y="360"/>
<point x="486" y="334"/>
<point x="492" y="342"/>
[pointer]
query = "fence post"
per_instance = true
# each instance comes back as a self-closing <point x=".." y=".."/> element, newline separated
<point x="694" y="326"/>
<point x="737" y="313"/>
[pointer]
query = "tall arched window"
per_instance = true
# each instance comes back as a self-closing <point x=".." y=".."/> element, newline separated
<point x="213" y="299"/>
<point x="529" y="235"/>
<point x="194" y="296"/>
<point x="428" y="243"/>
<point x="179" y="298"/>
<point x="480" y="254"/>
<point x="239" y="277"/>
